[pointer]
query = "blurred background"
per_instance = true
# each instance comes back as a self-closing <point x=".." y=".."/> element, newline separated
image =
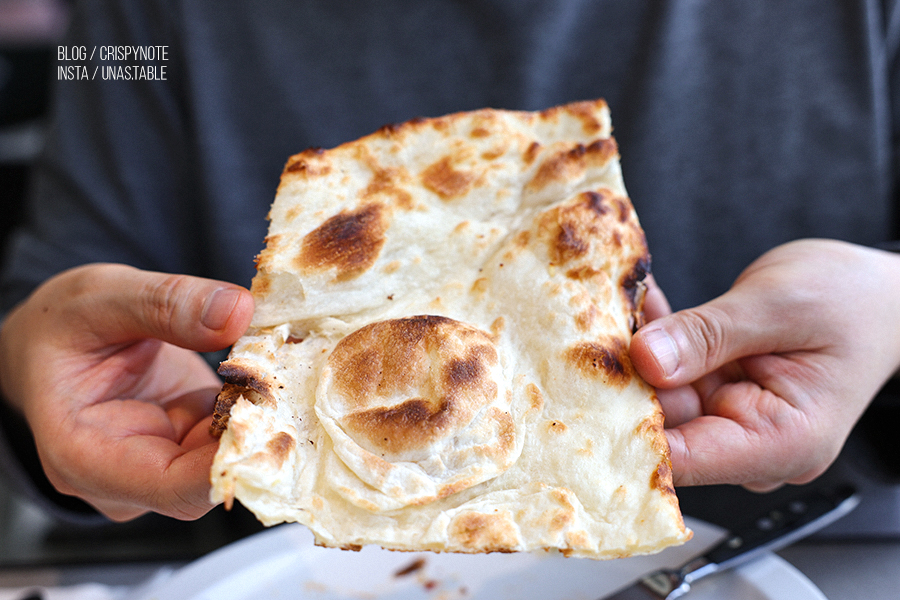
<point x="30" y="31"/>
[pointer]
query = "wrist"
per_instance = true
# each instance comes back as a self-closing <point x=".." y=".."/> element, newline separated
<point x="889" y="253"/>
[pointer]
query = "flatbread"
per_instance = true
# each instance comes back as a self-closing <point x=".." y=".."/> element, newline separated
<point x="438" y="358"/>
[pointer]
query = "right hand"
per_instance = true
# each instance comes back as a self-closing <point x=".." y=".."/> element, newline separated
<point x="102" y="361"/>
<point x="762" y="385"/>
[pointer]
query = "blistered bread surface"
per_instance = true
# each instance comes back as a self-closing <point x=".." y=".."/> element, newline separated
<point x="439" y="354"/>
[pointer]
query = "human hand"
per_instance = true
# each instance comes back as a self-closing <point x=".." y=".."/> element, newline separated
<point x="762" y="385"/>
<point x="102" y="361"/>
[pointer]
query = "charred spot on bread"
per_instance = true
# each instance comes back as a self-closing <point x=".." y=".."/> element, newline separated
<point x="226" y="399"/>
<point x="241" y="376"/>
<point x="570" y="163"/>
<point x="391" y="426"/>
<point x="484" y="532"/>
<point x="222" y="410"/>
<point x="661" y="478"/>
<point x="240" y="380"/>
<point x="585" y="111"/>
<point x="349" y="242"/>
<point x="572" y="229"/>
<point x="445" y="180"/>
<point x="388" y="183"/>
<point x="280" y="446"/>
<point x="607" y="361"/>
<point x="634" y="288"/>
<point x="403" y="383"/>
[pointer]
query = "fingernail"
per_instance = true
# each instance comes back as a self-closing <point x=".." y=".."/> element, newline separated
<point x="664" y="350"/>
<point x="218" y="308"/>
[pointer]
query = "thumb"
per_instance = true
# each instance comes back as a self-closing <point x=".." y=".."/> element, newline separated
<point x="680" y="348"/>
<point x="115" y="304"/>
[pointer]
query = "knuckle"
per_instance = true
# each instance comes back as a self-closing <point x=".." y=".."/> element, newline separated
<point x="75" y="286"/>
<point x="162" y="301"/>
<point x="708" y="329"/>
<point x="86" y="279"/>
<point x="183" y="508"/>
<point x="177" y="501"/>
<point x="121" y="514"/>
<point x="75" y="297"/>
<point x="763" y="487"/>
<point x="60" y="483"/>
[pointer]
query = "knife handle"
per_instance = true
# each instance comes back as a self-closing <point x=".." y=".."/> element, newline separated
<point x="776" y="528"/>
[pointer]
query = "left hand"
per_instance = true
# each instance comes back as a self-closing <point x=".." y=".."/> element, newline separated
<point x="102" y="362"/>
<point x="762" y="385"/>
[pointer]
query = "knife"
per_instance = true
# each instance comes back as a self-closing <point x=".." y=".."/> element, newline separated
<point x="770" y="531"/>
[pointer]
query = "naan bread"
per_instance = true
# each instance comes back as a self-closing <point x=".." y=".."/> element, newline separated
<point x="439" y="354"/>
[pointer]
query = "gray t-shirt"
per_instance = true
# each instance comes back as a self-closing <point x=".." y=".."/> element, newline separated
<point x="741" y="125"/>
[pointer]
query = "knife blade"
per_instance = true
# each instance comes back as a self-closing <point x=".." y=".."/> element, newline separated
<point x="771" y="530"/>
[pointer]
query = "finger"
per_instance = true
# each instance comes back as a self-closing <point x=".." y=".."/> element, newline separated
<point x="115" y="304"/>
<point x="683" y="403"/>
<point x="152" y="470"/>
<point x="682" y="347"/>
<point x="116" y="511"/>
<point x="762" y="487"/>
<point x="749" y="437"/>
<point x="185" y="497"/>
<point x="188" y="410"/>
<point x="183" y="493"/>
<point x="199" y="434"/>
<point x="679" y="405"/>
<point x="712" y="450"/>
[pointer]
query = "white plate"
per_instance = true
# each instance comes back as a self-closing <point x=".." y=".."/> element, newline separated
<point x="282" y="563"/>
